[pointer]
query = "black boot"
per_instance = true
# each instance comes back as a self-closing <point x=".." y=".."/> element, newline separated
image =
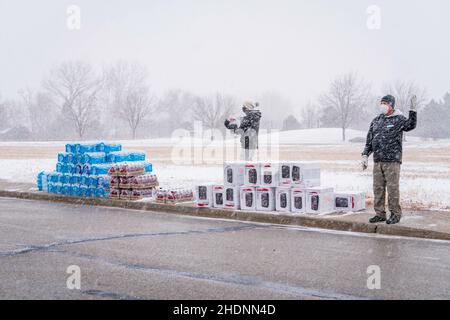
<point x="377" y="219"/>
<point x="393" y="219"/>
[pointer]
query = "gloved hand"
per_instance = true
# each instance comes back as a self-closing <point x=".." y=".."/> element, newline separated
<point x="230" y="126"/>
<point x="364" y="162"/>
<point x="413" y="106"/>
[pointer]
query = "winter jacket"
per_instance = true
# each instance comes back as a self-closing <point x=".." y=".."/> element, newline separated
<point x="248" y="129"/>
<point x="385" y="136"/>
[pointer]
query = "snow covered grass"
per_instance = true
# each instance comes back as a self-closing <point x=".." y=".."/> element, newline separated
<point x="425" y="179"/>
<point x="418" y="188"/>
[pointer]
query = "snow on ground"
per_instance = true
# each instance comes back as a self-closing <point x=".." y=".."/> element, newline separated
<point x="330" y="136"/>
<point x="416" y="189"/>
<point x="426" y="184"/>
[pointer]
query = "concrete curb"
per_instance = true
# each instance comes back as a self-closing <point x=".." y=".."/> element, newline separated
<point x="273" y="218"/>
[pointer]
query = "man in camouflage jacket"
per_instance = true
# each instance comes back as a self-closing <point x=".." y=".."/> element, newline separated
<point x="384" y="140"/>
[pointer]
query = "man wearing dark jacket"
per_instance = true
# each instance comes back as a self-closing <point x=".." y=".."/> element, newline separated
<point x="248" y="130"/>
<point x="384" y="140"/>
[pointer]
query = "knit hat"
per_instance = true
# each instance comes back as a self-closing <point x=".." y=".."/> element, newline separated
<point x="389" y="99"/>
<point x="250" y="105"/>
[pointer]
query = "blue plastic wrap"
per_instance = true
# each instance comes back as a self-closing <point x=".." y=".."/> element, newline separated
<point x="148" y="167"/>
<point x="94" y="158"/>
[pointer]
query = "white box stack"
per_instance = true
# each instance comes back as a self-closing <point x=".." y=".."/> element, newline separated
<point x="290" y="186"/>
<point x="248" y="198"/>
<point x="234" y="173"/>
<point x="298" y="200"/>
<point x="204" y="195"/>
<point x="252" y="174"/>
<point x="349" y="201"/>
<point x="218" y="196"/>
<point x="265" y="199"/>
<point x="232" y="197"/>
<point x="305" y="174"/>
<point x="283" y="199"/>
<point x="269" y="174"/>
<point x="319" y="200"/>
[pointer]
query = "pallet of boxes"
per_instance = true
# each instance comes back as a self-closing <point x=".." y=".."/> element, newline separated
<point x="174" y="196"/>
<point x="129" y="181"/>
<point x="289" y="187"/>
<point x="84" y="170"/>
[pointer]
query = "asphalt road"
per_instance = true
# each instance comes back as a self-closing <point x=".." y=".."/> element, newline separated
<point x="126" y="254"/>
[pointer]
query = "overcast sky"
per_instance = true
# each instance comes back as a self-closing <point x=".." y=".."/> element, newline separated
<point x="243" y="47"/>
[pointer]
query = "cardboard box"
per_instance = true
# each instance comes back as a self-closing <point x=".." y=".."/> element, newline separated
<point x="319" y="200"/>
<point x="283" y="199"/>
<point x="218" y="196"/>
<point x="285" y="174"/>
<point x="305" y="174"/>
<point x="204" y="195"/>
<point x="232" y="198"/>
<point x="248" y="198"/>
<point x="233" y="173"/>
<point x="349" y="201"/>
<point x="265" y="199"/>
<point x="298" y="200"/>
<point x="269" y="173"/>
<point x="252" y="174"/>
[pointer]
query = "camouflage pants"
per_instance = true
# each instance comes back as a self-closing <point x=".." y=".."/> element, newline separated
<point x="386" y="175"/>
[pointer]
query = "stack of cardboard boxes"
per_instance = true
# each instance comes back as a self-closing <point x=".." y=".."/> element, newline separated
<point x="285" y="187"/>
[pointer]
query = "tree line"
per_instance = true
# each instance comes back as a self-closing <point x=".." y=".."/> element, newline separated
<point x="77" y="101"/>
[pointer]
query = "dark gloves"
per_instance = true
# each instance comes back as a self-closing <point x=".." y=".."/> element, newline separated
<point x="230" y="126"/>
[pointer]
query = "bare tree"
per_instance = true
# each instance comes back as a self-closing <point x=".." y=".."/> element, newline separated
<point x="126" y="84"/>
<point x="347" y="94"/>
<point x="136" y="107"/>
<point x="212" y="111"/>
<point x="403" y="92"/>
<point x="4" y="114"/>
<point x="74" y="87"/>
<point x="310" y="116"/>
<point x="177" y="105"/>
<point x="41" y="111"/>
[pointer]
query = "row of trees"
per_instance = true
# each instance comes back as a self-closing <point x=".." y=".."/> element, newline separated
<point x="350" y="103"/>
<point x="76" y="100"/>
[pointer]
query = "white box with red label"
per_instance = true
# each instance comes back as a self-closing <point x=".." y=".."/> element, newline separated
<point x="204" y="195"/>
<point x="298" y="200"/>
<point x="218" y="196"/>
<point x="232" y="198"/>
<point x="304" y="174"/>
<point x="283" y="199"/>
<point x="248" y="198"/>
<point x="349" y="201"/>
<point x="252" y="174"/>
<point x="269" y="174"/>
<point x="285" y="174"/>
<point x="319" y="200"/>
<point x="233" y="173"/>
<point x="265" y="199"/>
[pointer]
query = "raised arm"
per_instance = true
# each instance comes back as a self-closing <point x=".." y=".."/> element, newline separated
<point x="410" y="123"/>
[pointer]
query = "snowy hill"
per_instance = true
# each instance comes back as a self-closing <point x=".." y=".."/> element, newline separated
<point x="324" y="136"/>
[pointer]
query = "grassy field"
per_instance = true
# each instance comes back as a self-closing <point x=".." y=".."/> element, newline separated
<point x="425" y="180"/>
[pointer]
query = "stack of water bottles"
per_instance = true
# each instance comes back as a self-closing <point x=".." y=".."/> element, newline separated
<point x="82" y="170"/>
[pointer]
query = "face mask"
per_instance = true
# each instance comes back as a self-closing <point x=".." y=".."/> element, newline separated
<point x="384" y="109"/>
